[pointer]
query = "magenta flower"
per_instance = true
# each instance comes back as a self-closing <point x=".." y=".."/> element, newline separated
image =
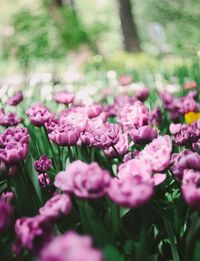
<point x="15" y="99"/>
<point x="131" y="116"/>
<point x="39" y="114"/>
<point x="71" y="247"/>
<point x="130" y="192"/>
<point x="14" y="152"/>
<point x="32" y="233"/>
<point x="84" y="180"/>
<point x="121" y="147"/>
<point x="5" y="210"/>
<point x="64" y="97"/>
<point x="58" y="205"/>
<point x="17" y="134"/>
<point x="184" y="160"/>
<point x="157" y="153"/>
<point x="144" y="134"/>
<point x="9" y="119"/>
<point x="65" y="135"/>
<point x="8" y="196"/>
<point x="190" y="188"/>
<point x="43" y="164"/>
<point x="44" y="179"/>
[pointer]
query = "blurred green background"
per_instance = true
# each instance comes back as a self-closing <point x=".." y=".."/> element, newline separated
<point x="129" y="36"/>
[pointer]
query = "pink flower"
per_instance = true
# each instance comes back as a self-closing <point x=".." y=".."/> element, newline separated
<point x="32" y="233"/>
<point x="128" y="156"/>
<point x="58" y="205"/>
<point x="65" y="135"/>
<point x="175" y="128"/>
<point x="17" y="134"/>
<point x="125" y="80"/>
<point x="84" y="180"/>
<point x="14" y="152"/>
<point x="121" y="147"/>
<point x="64" y="97"/>
<point x="185" y="160"/>
<point x="9" y="119"/>
<point x="142" y="94"/>
<point x="76" y="117"/>
<point x="157" y="153"/>
<point x="44" y="179"/>
<point x="71" y="247"/>
<point x="43" y="164"/>
<point x="155" y="116"/>
<point x="39" y="114"/>
<point x="122" y="100"/>
<point x="131" y="116"/>
<point x="94" y="110"/>
<point x="135" y="167"/>
<point x="101" y="136"/>
<point x="15" y="99"/>
<point x="190" y="188"/>
<point x="130" y="192"/>
<point x="8" y="196"/>
<point x="51" y="124"/>
<point x="144" y="134"/>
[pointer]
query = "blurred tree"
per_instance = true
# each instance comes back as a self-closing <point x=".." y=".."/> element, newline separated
<point x="48" y="32"/>
<point x="34" y="37"/>
<point x="128" y="25"/>
<point x="181" y="20"/>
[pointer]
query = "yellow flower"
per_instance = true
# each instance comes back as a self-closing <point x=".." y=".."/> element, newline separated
<point x="191" y="117"/>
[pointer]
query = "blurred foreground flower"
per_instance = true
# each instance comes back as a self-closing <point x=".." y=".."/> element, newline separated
<point x="71" y="247"/>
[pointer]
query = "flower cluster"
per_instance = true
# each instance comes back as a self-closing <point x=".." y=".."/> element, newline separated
<point x="178" y="106"/>
<point x="185" y="134"/>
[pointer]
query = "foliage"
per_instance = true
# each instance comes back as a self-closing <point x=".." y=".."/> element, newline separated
<point x="180" y="20"/>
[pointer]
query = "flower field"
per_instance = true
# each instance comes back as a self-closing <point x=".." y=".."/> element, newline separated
<point x="110" y="172"/>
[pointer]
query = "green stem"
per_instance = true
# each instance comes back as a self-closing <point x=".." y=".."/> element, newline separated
<point x="60" y="159"/>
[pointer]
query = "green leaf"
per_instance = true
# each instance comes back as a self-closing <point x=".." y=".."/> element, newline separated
<point x="111" y="253"/>
<point x="197" y="251"/>
<point x="33" y="175"/>
<point x="3" y="186"/>
<point x="171" y="236"/>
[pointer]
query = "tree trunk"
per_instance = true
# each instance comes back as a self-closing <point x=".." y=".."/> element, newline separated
<point x="129" y="30"/>
<point x="58" y="3"/>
